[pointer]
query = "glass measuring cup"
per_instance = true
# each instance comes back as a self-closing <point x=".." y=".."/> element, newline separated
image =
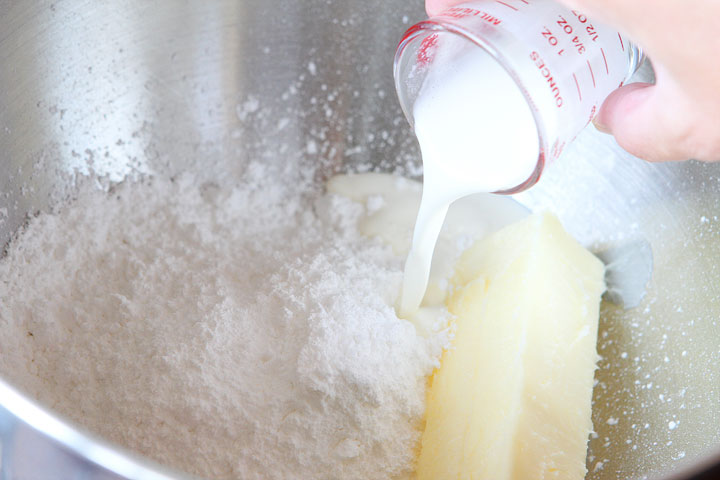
<point x="564" y="64"/>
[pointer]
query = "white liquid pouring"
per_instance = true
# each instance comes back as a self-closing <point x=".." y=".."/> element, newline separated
<point x="476" y="133"/>
<point x="391" y="207"/>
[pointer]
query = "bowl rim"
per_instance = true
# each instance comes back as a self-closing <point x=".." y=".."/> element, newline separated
<point x="130" y="465"/>
<point x="81" y="444"/>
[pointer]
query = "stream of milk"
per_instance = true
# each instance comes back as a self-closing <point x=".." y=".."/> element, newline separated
<point x="477" y="134"/>
<point x="392" y="205"/>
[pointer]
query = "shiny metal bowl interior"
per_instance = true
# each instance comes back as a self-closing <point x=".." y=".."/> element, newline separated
<point x="128" y="88"/>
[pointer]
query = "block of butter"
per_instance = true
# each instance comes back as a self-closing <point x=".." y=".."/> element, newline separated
<point x="512" y="397"/>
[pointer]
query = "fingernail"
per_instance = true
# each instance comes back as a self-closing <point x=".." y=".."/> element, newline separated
<point x="597" y="121"/>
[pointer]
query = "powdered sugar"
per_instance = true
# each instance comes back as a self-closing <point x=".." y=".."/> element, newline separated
<point x="244" y="332"/>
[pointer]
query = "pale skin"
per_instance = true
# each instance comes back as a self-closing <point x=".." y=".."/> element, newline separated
<point x="677" y="118"/>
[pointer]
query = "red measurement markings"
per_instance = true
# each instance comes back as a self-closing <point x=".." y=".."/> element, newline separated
<point x="549" y="78"/>
<point x="607" y="69"/>
<point x="525" y="2"/>
<point x="581" y="18"/>
<point x="577" y="84"/>
<point x="569" y="30"/>
<point x="426" y="52"/>
<point x="592" y="74"/>
<point x="506" y="4"/>
<point x="552" y="39"/>
<point x="622" y="44"/>
<point x="592" y="115"/>
<point x="457" y="12"/>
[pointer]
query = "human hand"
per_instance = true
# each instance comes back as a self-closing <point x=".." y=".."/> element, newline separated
<point x="678" y="117"/>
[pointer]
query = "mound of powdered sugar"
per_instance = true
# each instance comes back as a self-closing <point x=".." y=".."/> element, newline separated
<point x="242" y="333"/>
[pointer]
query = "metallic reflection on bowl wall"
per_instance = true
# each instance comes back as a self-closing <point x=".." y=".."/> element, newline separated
<point x="129" y="88"/>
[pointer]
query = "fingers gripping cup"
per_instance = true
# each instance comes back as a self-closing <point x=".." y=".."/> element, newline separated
<point x="530" y="67"/>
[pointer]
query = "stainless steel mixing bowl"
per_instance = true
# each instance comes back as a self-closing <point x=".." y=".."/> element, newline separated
<point x="130" y="87"/>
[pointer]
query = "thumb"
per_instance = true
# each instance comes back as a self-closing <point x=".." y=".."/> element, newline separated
<point x="653" y="122"/>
